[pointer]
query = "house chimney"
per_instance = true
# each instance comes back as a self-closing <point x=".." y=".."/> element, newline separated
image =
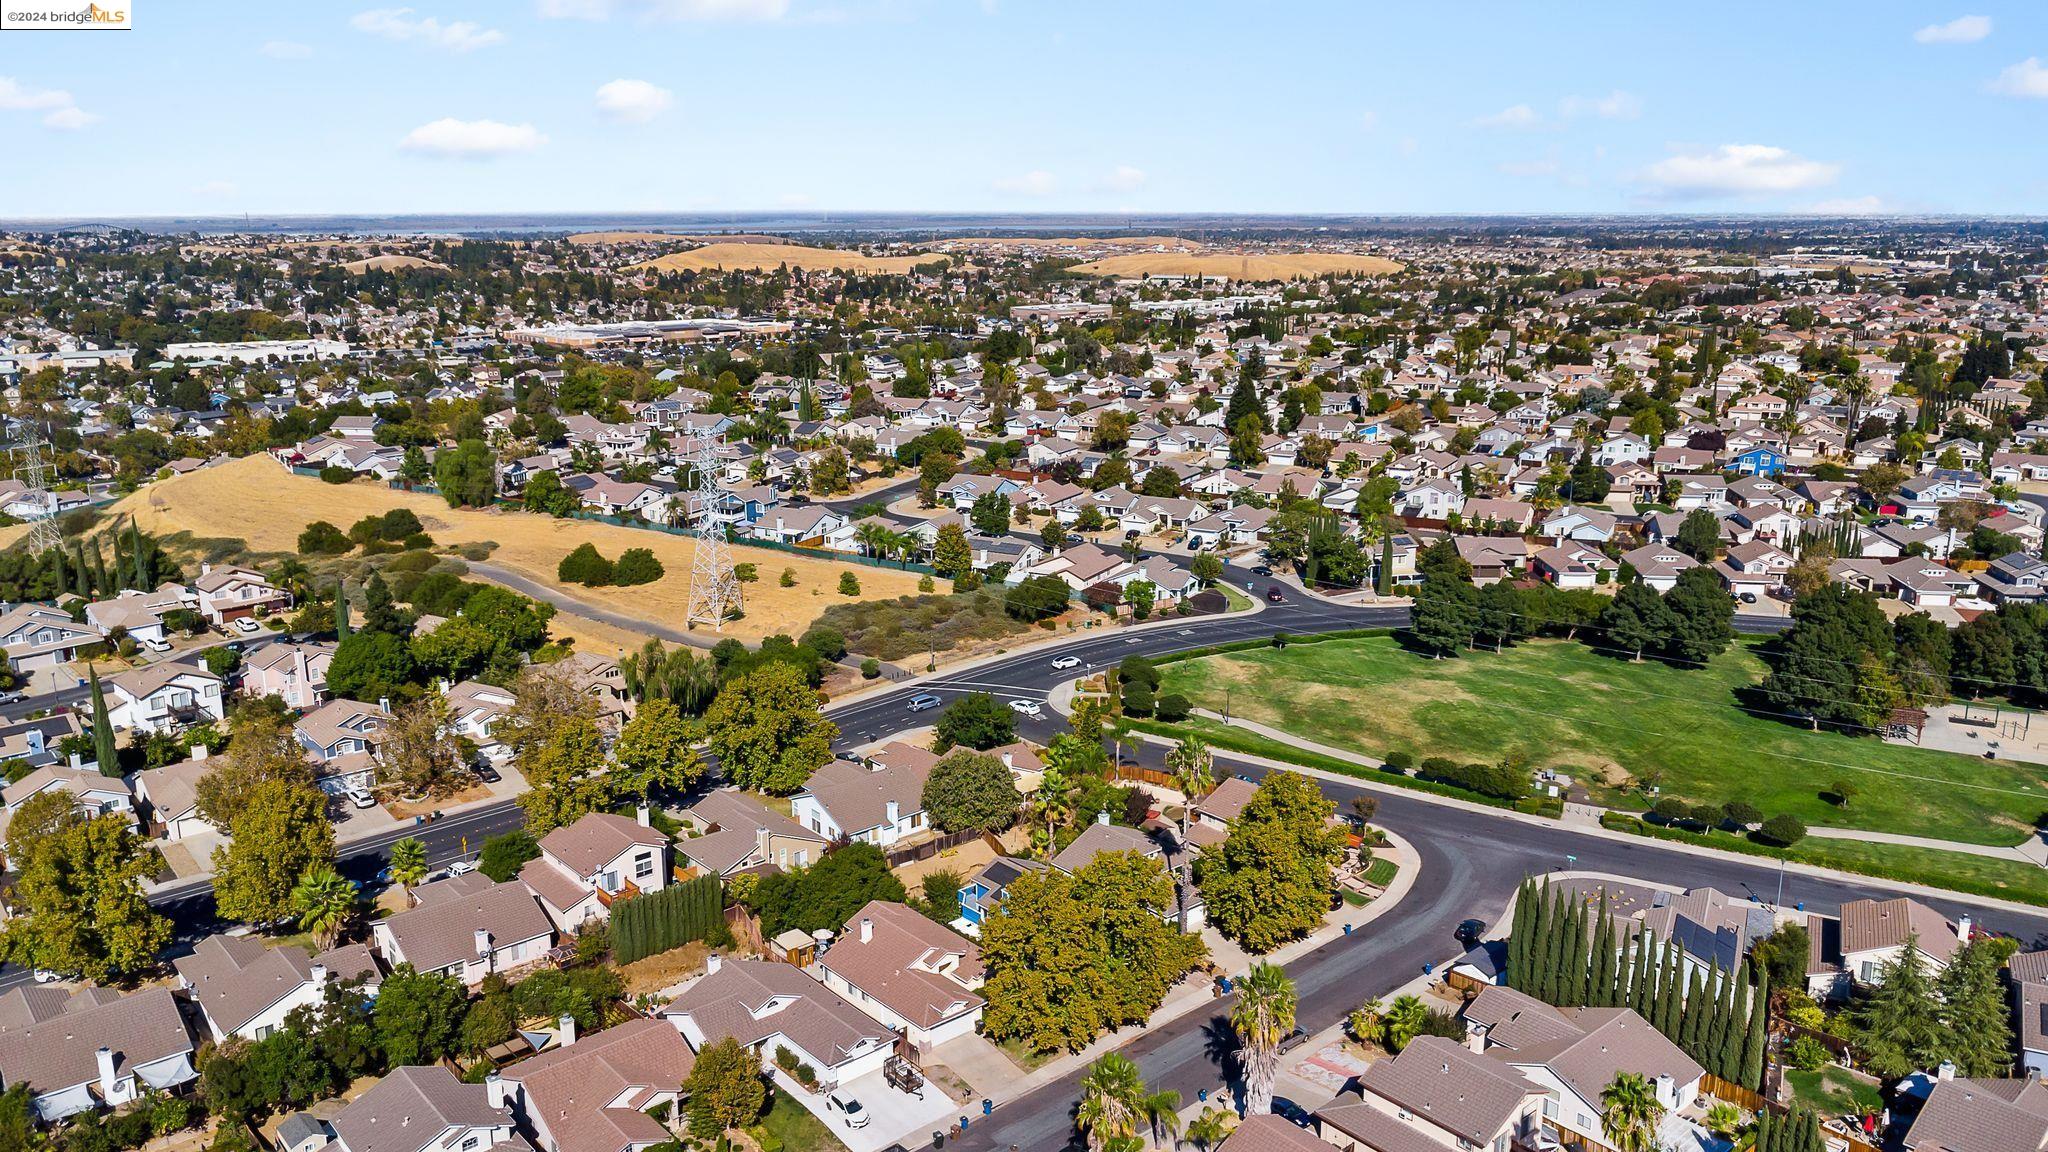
<point x="199" y="752"/>
<point x="867" y="929"/>
<point x="75" y="763"/>
<point x="384" y="704"/>
<point x="1963" y="926"/>
<point x="642" y="815"/>
<point x="713" y="963"/>
<point x="500" y="1092"/>
<point x="107" y="1078"/>
<point x="483" y="942"/>
<point x="318" y="975"/>
<point x="1947" y="1070"/>
<point x="891" y="811"/>
<point x="565" y="1030"/>
<point x="1102" y="818"/>
<point x="1667" y="1090"/>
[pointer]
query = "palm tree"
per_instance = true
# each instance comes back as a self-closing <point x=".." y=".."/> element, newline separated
<point x="1112" y="1094"/>
<point x="1364" y="1021"/>
<point x="1211" y="1128"/>
<point x="1262" y="1017"/>
<point x="326" y="903"/>
<point x="408" y="863"/>
<point x="874" y="539"/>
<point x="1404" y="1021"/>
<point x="1191" y="766"/>
<point x="1630" y="1113"/>
<point x="1723" y="1118"/>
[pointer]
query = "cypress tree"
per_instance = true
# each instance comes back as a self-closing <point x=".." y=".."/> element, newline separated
<point x="1624" y="969"/>
<point x="1542" y="958"/>
<point x="102" y="730"/>
<point x="1600" y="980"/>
<point x="58" y="579"/>
<point x="1518" y="935"/>
<point x="139" y="552"/>
<point x="1766" y="1131"/>
<point x="1668" y="993"/>
<point x="1574" y="975"/>
<point x="99" y="569"/>
<point x="1692" y="1014"/>
<point x="1643" y="988"/>
<point x="341" y="629"/>
<point x="1734" y="1027"/>
<point x="82" y="575"/>
<point x="1754" y="1042"/>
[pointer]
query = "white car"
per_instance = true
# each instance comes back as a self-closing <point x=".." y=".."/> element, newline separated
<point x="1066" y="662"/>
<point x="848" y="1108"/>
<point x="1027" y="707"/>
<point x="157" y="645"/>
<point x="361" y="798"/>
<point x="461" y="868"/>
<point x="247" y="625"/>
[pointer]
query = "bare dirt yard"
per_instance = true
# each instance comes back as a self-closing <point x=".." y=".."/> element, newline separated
<point x="256" y="500"/>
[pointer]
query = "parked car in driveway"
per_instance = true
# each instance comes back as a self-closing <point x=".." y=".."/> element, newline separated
<point x="486" y="773"/>
<point x="361" y="798"/>
<point x="156" y="645"/>
<point x="849" y="1109"/>
<point x="248" y="626"/>
<point x="1470" y="931"/>
<point x="1293" y="1040"/>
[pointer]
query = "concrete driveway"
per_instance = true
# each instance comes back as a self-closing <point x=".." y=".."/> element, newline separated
<point x="893" y="1117"/>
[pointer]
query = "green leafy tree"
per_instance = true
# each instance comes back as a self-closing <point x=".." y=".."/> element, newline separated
<point x="585" y="565"/>
<point x="503" y="855"/>
<point x="1975" y="1010"/>
<point x="282" y="834"/>
<point x="370" y="666"/>
<point x="1818" y="668"/>
<point x="1702" y="617"/>
<point x="976" y="720"/>
<point x="828" y="893"/>
<point x="1636" y="619"/>
<point x="418" y="1015"/>
<point x="564" y="769"/>
<point x="1272" y="885"/>
<point x="1445" y="616"/>
<point x="766" y="730"/>
<point x="77" y="897"/>
<point x="1699" y="535"/>
<point x="971" y="790"/>
<point x="1898" y="1026"/>
<point x="467" y="475"/>
<point x="725" y="1089"/>
<point x="545" y="493"/>
<point x="654" y="753"/>
<point x="952" y="556"/>
<point x="990" y="514"/>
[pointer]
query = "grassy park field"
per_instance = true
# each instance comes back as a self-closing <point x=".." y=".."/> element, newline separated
<point x="1560" y="705"/>
<point x="256" y="501"/>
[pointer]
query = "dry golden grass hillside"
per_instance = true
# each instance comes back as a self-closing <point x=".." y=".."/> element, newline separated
<point x="390" y="263"/>
<point x="678" y="237"/>
<point x="1235" y="266"/>
<point x="1174" y="243"/>
<point x="258" y="501"/>
<point x="730" y="254"/>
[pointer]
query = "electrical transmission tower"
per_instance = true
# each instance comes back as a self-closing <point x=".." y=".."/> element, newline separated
<point x="28" y="468"/>
<point x="714" y="588"/>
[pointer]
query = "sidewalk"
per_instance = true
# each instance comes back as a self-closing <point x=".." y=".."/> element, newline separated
<point x="1196" y="993"/>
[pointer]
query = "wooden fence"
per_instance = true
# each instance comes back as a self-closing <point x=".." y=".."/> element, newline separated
<point x="898" y="857"/>
<point x="1733" y="1093"/>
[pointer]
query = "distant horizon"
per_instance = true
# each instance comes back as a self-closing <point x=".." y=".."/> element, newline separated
<point x="884" y="221"/>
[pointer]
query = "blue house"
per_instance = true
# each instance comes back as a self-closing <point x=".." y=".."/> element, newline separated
<point x="1760" y="461"/>
<point x="979" y="896"/>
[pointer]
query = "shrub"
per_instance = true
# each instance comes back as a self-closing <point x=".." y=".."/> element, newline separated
<point x="1400" y="760"/>
<point x="967" y="581"/>
<point x="1038" y="598"/>
<point x="1781" y="831"/>
<point x="870" y="668"/>
<point x="924" y="584"/>
<point x="1807" y="1054"/>
<point x="745" y="573"/>
<point x="323" y="539"/>
<point x="1742" y="813"/>
<point x="585" y="566"/>
<point x="788" y="578"/>
<point x="1669" y="810"/>
<point x="336" y="474"/>
<point x="849" y="584"/>
<point x="1173" y="708"/>
<point x="828" y="642"/>
<point x="637" y="566"/>
<point x="1139" y="700"/>
<point x="658" y="921"/>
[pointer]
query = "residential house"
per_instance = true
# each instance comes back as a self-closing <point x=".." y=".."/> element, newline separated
<point x="231" y="592"/>
<point x="595" y="1093"/>
<point x="37" y="637"/>
<point x="1658" y="565"/>
<point x="584" y="867"/>
<point x="1875" y="932"/>
<point x="909" y="973"/>
<point x="425" y="1108"/>
<point x="734" y="832"/>
<point x="984" y="891"/>
<point x="172" y="794"/>
<point x="93" y="1048"/>
<point x="1964" y="1115"/>
<point x="768" y="1005"/>
<point x="163" y="697"/>
<point x="340" y="738"/>
<point x="1436" y="1094"/>
<point x="295" y="673"/>
<point x="244" y="987"/>
<point x="91" y="794"/>
<point x="879" y="802"/>
<point x="467" y="927"/>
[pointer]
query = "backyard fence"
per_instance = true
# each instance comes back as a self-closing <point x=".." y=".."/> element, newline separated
<point x="658" y="921"/>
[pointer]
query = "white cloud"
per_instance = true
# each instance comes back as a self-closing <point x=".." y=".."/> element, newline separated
<point x="1517" y="116"/>
<point x="1037" y="182"/>
<point x="1961" y="30"/>
<point x="1528" y="167"/>
<point x="70" y="118"/>
<point x="58" y="108"/>
<point x="2026" y="78"/>
<point x="471" y="139"/>
<point x="1126" y="178"/>
<point x="634" y="101"/>
<point x="402" y="24"/>
<point x="1616" y="105"/>
<point x="1737" y="170"/>
<point x="665" y="10"/>
<point x="285" y="50"/>
<point x="1849" y="206"/>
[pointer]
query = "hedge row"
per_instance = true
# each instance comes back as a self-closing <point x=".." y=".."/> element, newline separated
<point x="655" y="922"/>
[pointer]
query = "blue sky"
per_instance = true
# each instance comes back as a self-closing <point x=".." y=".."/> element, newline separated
<point x="1031" y="105"/>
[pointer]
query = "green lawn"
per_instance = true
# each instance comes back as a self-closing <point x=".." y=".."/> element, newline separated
<point x="1381" y="872"/>
<point x="1234" y="600"/>
<point x="798" y="1130"/>
<point x="1607" y="721"/>
<point x="1835" y="1091"/>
